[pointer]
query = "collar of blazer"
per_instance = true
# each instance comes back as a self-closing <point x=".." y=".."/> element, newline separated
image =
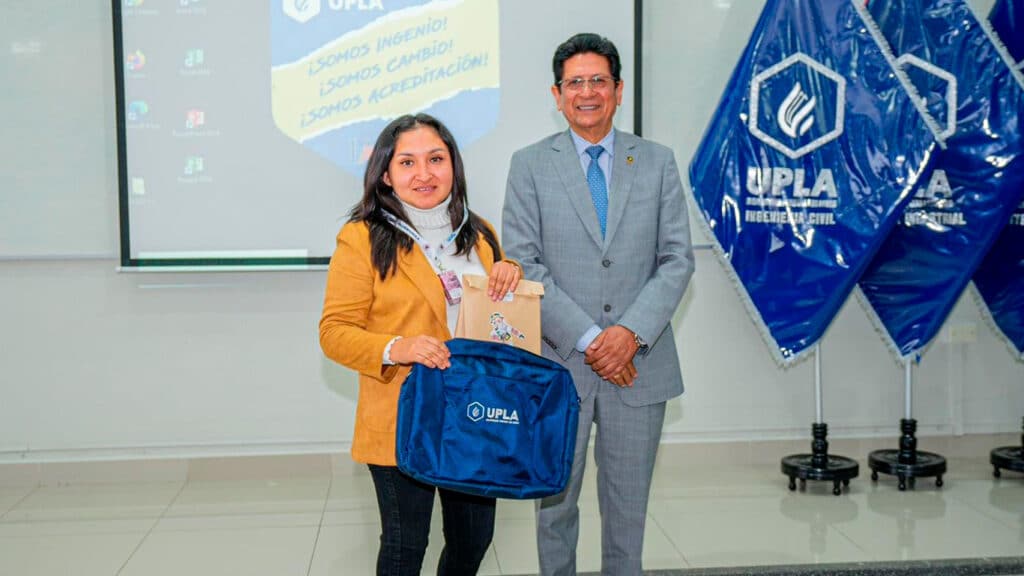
<point x="417" y="268"/>
<point x="625" y="164"/>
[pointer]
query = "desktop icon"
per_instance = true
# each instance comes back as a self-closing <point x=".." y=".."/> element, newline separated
<point x="193" y="165"/>
<point x="135" y="61"/>
<point x="194" y="119"/>
<point x="137" y="110"/>
<point x="194" y="57"/>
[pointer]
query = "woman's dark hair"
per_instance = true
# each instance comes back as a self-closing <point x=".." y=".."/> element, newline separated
<point x="583" y="43"/>
<point x="385" y="239"/>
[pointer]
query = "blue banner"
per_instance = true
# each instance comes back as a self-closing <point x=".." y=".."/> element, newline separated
<point x="1007" y="20"/>
<point x="970" y="188"/>
<point x="806" y="165"/>
<point x="999" y="280"/>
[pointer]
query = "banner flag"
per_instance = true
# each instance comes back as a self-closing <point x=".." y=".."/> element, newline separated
<point x="970" y="188"/>
<point x="999" y="280"/>
<point x="1007" y="20"/>
<point x="806" y="165"/>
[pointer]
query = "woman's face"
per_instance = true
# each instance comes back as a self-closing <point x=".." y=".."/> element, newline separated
<point x="420" y="171"/>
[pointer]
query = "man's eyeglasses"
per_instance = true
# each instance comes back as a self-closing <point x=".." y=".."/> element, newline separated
<point x="577" y="84"/>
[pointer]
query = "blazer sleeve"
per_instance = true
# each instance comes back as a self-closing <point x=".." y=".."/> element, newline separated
<point x="347" y="302"/>
<point x="563" y="321"/>
<point x="653" y="308"/>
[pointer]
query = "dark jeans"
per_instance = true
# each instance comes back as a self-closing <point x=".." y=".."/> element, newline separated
<point x="405" y="506"/>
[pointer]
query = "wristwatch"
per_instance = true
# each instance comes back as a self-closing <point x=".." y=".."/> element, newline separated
<point x="641" y="346"/>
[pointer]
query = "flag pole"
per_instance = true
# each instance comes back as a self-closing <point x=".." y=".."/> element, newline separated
<point x="819" y="464"/>
<point x="907" y="463"/>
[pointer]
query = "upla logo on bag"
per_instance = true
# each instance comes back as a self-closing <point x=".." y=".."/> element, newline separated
<point x="343" y="69"/>
<point x="477" y="412"/>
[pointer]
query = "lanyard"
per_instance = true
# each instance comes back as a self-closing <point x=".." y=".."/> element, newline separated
<point x="432" y="252"/>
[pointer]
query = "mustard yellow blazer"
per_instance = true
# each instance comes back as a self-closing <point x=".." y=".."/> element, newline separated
<point x="362" y="314"/>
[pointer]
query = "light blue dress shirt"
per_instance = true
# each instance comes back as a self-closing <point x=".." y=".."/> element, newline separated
<point x="605" y="163"/>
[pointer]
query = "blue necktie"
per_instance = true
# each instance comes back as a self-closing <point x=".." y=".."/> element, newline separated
<point x="598" y="187"/>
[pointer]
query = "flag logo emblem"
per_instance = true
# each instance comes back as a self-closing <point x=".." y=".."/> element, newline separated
<point x="790" y="117"/>
<point x="795" y="112"/>
<point x="937" y="88"/>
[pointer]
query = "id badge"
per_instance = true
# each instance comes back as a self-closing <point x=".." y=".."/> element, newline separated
<point x="452" y="286"/>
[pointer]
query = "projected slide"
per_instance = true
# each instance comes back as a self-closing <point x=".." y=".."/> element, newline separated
<point x="338" y="79"/>
<point x="247" y="124"/>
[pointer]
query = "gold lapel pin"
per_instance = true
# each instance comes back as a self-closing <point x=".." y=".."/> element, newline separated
<point x="629" y="160"/>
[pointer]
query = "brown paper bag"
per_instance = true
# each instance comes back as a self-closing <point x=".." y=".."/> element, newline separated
<point x="514" y="320"/>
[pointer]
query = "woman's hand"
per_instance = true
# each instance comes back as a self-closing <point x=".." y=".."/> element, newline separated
<point x="503" y="279"/>
<point x="421" y="349"/>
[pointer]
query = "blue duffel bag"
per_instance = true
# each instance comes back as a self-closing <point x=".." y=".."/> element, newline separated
<point x="500" y="421"/>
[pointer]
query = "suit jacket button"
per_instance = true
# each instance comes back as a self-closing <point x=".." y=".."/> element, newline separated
<point x="606" y="263"/>
<point x="607" y="307"/>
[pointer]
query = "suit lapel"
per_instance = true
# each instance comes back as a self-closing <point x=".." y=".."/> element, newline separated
<point x="567" y="164"/>
<point x="414" y="264"/>
<point x="626" y="162"/>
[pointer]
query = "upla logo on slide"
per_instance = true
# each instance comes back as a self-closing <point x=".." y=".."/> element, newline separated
<point x="305" y="10"/>
<point x="797" y="105"/>
<point x="301" y="10"/>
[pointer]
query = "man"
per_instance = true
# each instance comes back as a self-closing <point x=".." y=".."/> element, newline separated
<point x="599" y="217"/>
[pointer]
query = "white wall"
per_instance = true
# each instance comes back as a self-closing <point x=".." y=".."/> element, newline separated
<point x="100" y="364"/>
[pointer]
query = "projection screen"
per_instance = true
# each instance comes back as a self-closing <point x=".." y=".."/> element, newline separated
<point x="244" y="126"/>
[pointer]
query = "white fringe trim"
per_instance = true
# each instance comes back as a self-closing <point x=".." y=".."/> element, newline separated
<point x="752" y="312"/>
<point x="879" y="326"/>
<point x="883" y="45"/>
<point x="1018" y="75"/>
<point x="1000" y="47"/>
<point x="1004" y="54"/>
<point x="725" y="262"/>
<point x="986" y="314"/>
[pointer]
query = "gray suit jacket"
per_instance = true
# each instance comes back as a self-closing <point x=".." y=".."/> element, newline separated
<point x="635" y="276"/>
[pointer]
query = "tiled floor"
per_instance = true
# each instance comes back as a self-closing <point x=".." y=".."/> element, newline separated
<point x="712" y="505"/>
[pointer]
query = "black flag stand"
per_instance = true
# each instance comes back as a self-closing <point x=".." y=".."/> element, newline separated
<point x="819" y="465"/>
<point x="1009" y="457"/>
<point x="908" y="462"/>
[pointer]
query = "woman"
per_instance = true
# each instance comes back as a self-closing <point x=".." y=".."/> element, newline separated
<point x="391" y="301"/>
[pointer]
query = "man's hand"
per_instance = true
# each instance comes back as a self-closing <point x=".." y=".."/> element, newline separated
<point x="626" y="378"/>
<point x="609" y="353"/>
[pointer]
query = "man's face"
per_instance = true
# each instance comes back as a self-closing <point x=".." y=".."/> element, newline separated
<point x="589" y="111"/>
